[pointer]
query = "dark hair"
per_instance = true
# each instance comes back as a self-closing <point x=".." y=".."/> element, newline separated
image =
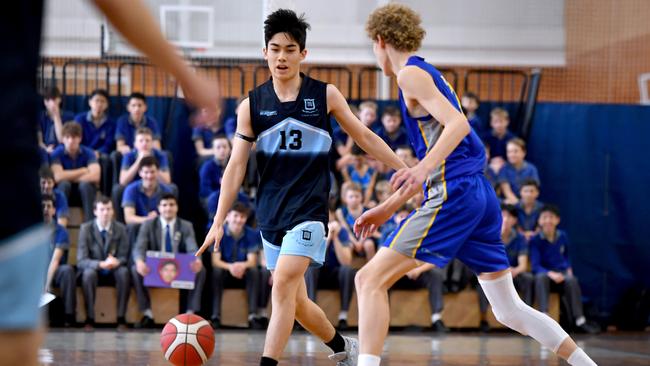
<point x="242" y="208"/>
<point x="220" y="136"/>
<point x="101" y="92"/>
<point x="46" y="173"/>
<point x="471" y="95"/>
<point x="286" y="21"/>
<point x="550" y="208"/>
<point x="48" y="197"/>
<point x="103" y="200"/>
<point x="529" y="182"/>
<point x="390" y="111"/>
<point x="51" y="93"/>
<point x="510" y="209"/>
<point x="168" y="196"/>
<point x="357" y="150"/>
<point x="137" y="95"/>
<point x="149" y="161"/>
<point x="144" y="131"/>
<point x="71" y="128"/>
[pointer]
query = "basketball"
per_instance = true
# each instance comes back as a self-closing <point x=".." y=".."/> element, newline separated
<point x="187" y="340"/>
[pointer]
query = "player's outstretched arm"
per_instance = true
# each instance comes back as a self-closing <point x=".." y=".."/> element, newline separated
<point x="366" y="139"/>
<point x="135" y="23"/>
<point x="419" y="89"/>
<point x="232" y="176"/>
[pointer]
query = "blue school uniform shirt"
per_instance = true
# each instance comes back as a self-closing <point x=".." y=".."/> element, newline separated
<point x="331" y="261"/>
<point x="132" y="156"/>
<point x="47" y="126"/>
<point x="85" y="157"/>
<point x="134" y="196"/>
<point x="230" y="127"/>
<point x="546" y="256"/>
<point x="515" y="247"/>
<point x="44" y="156"/>
<point x="100" y="138"/>
<point x="210" y="177"/>
<point x="516" y="177"/>
<point x="206" y="135"/>
<point x="60" y="203"/>
<point x="477" y="124"/>
<point x="125" y="129"/>
<point x="213" y="202"/>
<point x="362" y="180"/>
<point x="338" y="134"/>
<point x="400" y="138"/>
<point x="236" y="250"/>
<point x="528" y="222"/>
<point x="61" y="240"/>
<point x="498" y="145"/>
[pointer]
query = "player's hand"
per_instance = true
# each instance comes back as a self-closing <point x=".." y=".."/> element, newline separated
<point x="556" y="277"/>
<point x="410" y="179"/>
<point x="334" y="228"/>
<point x="370" y="221"/>
<point x="142" y="268"/>
<point x="196" y="265"/>
<point x="204" y="95"/>
<point x="214" y="237"/>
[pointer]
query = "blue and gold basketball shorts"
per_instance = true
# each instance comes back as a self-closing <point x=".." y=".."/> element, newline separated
<point x="461" y="218"/>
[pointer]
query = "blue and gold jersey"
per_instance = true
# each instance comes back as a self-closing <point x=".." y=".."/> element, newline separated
<point x="468" y="158"/>
<point x="293" y="142"/>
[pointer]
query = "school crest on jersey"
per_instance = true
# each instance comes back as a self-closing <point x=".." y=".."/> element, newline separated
<point x="309" y="107"/>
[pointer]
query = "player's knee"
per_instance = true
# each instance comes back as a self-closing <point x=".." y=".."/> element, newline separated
<point x="511" y="316"/>
<point x="365" y="280"/>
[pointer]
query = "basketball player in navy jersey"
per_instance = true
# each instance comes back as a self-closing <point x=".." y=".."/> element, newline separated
<point x="460" y="216"/>
<point x="288" y="119"/>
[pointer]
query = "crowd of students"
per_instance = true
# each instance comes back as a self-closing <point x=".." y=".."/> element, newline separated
<point x="118" y="172"/>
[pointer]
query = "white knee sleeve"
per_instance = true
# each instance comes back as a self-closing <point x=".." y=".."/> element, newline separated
<point x="511" y="311"/>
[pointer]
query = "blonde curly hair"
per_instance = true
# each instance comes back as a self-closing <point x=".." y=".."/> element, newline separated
<point x="398" y="25"/>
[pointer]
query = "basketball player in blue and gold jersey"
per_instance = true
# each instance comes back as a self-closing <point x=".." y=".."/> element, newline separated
<point x="288" y="119"/>
<point x="460" y="216"/>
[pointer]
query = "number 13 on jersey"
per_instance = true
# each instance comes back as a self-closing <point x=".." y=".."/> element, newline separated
<point x="291" y="139"/>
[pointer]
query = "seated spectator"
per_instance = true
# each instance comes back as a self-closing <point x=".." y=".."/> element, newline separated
<point x="517" y="251"/>
<point x="59" y="273"/>
<point x="167" y="233"/>
<point x="432" y="278"/>
<point x="367" y="114"/>
<point x="383" y="190"/>
<point x="470" y="104"/>
<point x="234" y="265"/>
<point x="549" y="256"/>
<point x="515" y="171"/>
<point x="358" y="171"/>
<point x="143" y="147"/>
<point x="51" y="120"/>
<point x="498" y="136"/>
<point x="336" y="272"/>
<point x="60" y="202"/>
<point x="405" y="153"/>
<point x="44" y="157"/>
<point x="213" y="202"/>
<point x="203" y="136"/>
<point x="349" y="211"/>
<point x="75" y="168"/>
<point x="98" y="127"/>
<point x="102" y="255"/>
<point x="140" y="200"/>
<point x="491" y="171"/>
<point x="136" y="118"/>
<point x="212" y="169"/>
<point x="389" y="226"/>
<point x="528" y="208"/>
<point x="391" y="129"/>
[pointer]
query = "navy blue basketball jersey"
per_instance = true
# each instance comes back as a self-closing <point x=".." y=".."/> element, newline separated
<point x="293" y="142"/>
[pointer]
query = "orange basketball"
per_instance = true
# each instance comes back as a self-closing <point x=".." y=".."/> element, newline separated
<point x="187" y="340"/>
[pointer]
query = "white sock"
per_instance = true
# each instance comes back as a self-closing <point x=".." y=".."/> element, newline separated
<point x="435" y="317"/>
<point x="148" y="313"/>
<point x="580" y="358"/>
<point x="343" y="315"/>
<point x="368" y="360"/>
<point x="581" y="320"/>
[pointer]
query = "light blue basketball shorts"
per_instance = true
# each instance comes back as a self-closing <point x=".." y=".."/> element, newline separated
<point x="23" y="269"/>
<point x="305" y="240"/>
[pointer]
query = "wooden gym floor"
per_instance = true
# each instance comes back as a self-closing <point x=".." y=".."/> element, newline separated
<point x="241" y="347"/>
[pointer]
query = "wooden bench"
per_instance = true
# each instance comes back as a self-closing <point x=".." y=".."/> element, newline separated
<point x="407" y="307"/>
